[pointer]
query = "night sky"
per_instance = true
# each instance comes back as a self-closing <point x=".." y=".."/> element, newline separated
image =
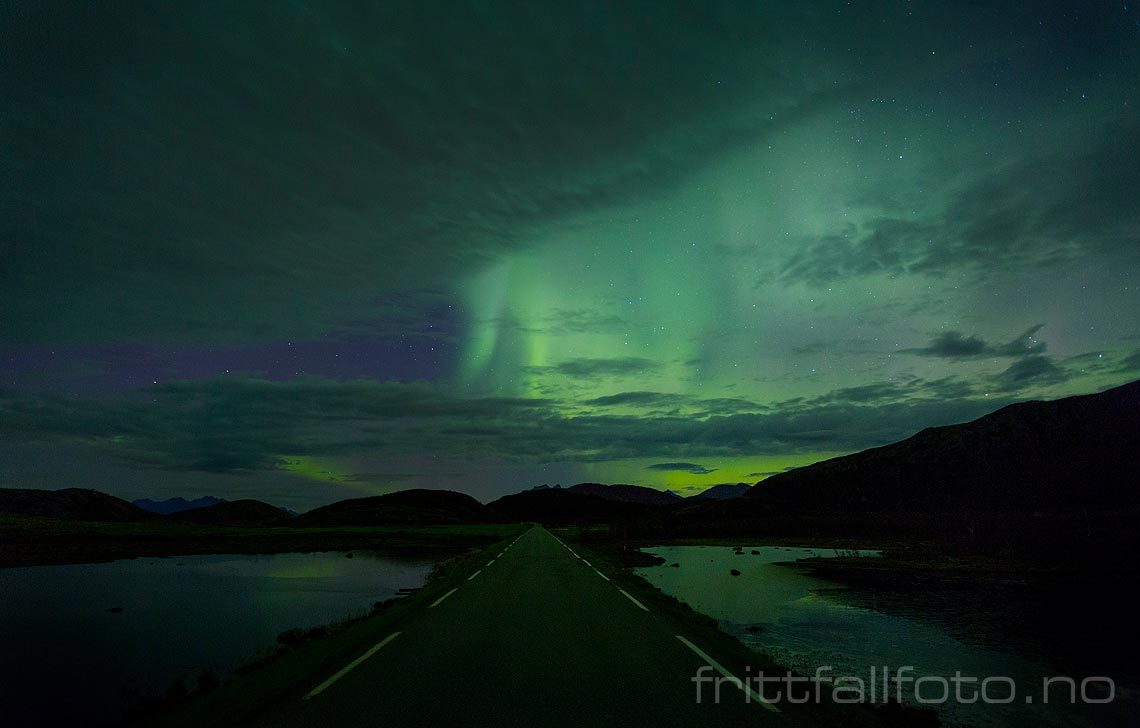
<point x="303" y="251"/>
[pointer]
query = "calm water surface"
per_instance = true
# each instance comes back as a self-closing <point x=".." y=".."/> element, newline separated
<point x="803" y="623"/>
<point x="67" y="659"/>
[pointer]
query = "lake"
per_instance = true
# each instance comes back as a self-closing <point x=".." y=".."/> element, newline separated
<point x="180" y="616"/>
<point x="803" y="623"/>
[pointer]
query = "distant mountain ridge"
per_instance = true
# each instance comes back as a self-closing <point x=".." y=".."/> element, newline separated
<point x="558" y="506"/>
<point x="176" y="505"/>
<point x="585" y="503"/>
<point x="70" y="504"/>
<point x="245" y="512"/>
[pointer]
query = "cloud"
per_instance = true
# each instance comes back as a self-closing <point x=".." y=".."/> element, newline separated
<point x="639" y="399"/>
<point x="953" y="345"/>
<point x="670" y="402"/>
<point x="862" y="394"/>
<point x="1031" y="370"/>
<point x="905" y="388"/>
<point x="1042" y="209"/>
<point x="691" y="468"/>
<point x="1131" y="362"/>
<point x="766" y="473"/>
<point x="382" y="152"/>
<point x="247" y="425"/>
<point x="576" y="321"/>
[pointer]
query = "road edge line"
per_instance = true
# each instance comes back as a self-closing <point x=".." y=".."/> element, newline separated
<point x="753" y="696"/>
<point x="630" y="597"/>
<point x="439" y="601"/>
<point x="350" y="666"/>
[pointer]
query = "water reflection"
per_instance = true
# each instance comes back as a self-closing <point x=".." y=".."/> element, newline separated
<point x="802" y="622"/>
<point x="108" y="634"/>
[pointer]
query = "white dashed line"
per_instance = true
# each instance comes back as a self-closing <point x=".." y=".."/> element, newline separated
<point x="345" y="670"/>
<point x="603" y="576"/>
<point x="753" y="696"/>
<point x="437" y="602"/>
<point x="629" y="597"/>
<point x="490" y="562"/>
<point x="477" y="573"/>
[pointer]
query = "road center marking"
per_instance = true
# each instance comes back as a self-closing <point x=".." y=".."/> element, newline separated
<point x="630" y="597"/>
<point x="753" y="696"/>
<point x="603" y="576"/>
<point x="477" y="573"/>
<point x="436" y="603"/>
<point x="345" y="670"/>
<point x="490" y="562"/>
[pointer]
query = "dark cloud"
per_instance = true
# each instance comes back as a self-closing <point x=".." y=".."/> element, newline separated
<point x="233" y="425"/>
<point x="664" y="403"/>
<point x="1031" y="370"/>
<point x="692" y="468"/>
<point x="213" y="171"/>
<point x="953" y="345"/>
<point x="576" y="321"/>
<point x="216" y="171"/>
<point x="1131" y="362"/>
<point x="766" y="473"/>
<point x="863" y="394"/>
<point x="904" y="389"/>
<point x="589" y="368"/>
<point x="639" y="399"/>
<point x="1045" y="209"/>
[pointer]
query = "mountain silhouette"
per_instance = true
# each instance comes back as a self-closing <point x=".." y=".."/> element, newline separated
<point x="416" y="506"/>
<point x="71" y="504"/>
<point x="722" y="491"/>
<point x="628" y="493"/>
<point x="244" y="512"/>
<point x="176" y="505"/>
<point x="1039" y="480"/>
<point x="1076" y="453"/>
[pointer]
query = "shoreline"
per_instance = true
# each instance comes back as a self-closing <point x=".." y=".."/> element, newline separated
<point x="41" y="542"/>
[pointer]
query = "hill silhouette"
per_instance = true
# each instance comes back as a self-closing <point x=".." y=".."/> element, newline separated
<point x="176" y="505"/>
<point x="1075" y="453"/>
<point x="71" y="504"/>
<point x="722" y="491"/>
<point x="1032" y="478"/>
<point x="244" y="512"/>
<point x="628" y="493"/>
<point x="416" y="506"/>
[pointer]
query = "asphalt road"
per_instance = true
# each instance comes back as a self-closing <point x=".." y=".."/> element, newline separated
<point x="535" y="637"/>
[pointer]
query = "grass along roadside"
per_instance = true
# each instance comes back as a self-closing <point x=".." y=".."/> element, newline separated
<point x="289" y="674"/>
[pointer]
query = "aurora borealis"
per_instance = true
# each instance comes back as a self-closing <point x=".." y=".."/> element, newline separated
<point x="304" y="251"/>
